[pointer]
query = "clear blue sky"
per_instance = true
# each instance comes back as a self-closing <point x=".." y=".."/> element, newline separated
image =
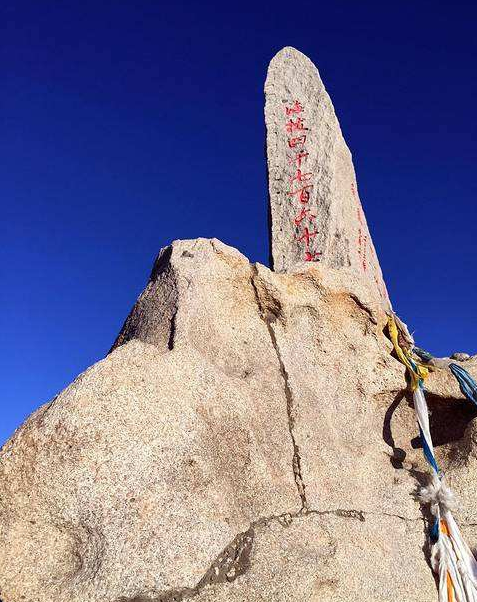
<point x="126" y="125"/>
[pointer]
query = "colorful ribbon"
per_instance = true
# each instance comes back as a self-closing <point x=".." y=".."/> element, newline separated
<point x="451" y="558"/>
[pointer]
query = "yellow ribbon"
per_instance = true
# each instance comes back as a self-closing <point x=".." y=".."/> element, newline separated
<point x="417" y="371"/>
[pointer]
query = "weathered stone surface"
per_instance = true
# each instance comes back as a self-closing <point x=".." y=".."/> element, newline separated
<point x="312" y="183"/>
<point x="153" y="460"/>
<point x="308" y="561"/>
<point x="438" y="383"/>
<point x="247" y="436"/>
<point x="459" y="356"/>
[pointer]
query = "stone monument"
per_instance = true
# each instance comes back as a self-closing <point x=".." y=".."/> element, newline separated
<point x="248" y="437"/>
<point x="316" y="213"/>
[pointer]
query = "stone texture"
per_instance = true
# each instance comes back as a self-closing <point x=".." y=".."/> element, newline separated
<point x="246" y="437"/>
<point x="342" y="235"/>
<point x="438" y="383"/>
<point x="249" y="436"/>
<point x="307" y="560"/>
<point x="153" y="460"/>
<point x="459" y="356"/>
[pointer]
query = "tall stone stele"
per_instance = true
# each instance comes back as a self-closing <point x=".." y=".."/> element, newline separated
<point x="248" y="436"/>
<point x="316" y="214"/>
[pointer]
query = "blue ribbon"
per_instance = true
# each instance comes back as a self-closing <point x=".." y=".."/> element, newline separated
<point x="434" y="532"/>
<point x="427" y="452"/>
<point x="466" y="382"/>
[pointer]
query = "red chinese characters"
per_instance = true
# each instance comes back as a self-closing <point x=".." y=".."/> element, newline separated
<point x="302" y="194"/>
<point x="301" y="177"/>
<point x="296" y="108"/>
<point x="300" y="182"/>
<point x="295" y="126"/>
<point x="297" y="159"/>
<point x="296" y="141"/>
<point x="362" y="238"/>
<point x="364" y="246"/>
<point x="304" y="213"/>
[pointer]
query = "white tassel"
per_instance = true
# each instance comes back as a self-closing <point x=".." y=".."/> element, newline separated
<point x="438" y="495"/>
<point x="422" y="413"/>
<point x="467" y="562"/>
<point x="442" y="572"/>
<point x="451" y="558"/>
<point x="450" y="555"/>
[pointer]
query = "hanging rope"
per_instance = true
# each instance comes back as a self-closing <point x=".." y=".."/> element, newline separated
<point x="451" y="558"/>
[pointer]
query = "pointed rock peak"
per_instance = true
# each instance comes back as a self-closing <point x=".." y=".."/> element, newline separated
<point x="315" y="210"/>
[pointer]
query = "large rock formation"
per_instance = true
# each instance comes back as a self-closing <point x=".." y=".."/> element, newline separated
<point x="248" y="438"/>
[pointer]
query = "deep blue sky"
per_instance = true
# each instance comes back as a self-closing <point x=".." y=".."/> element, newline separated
<point x="126" y="125"/>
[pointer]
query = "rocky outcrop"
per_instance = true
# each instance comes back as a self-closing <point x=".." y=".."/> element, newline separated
<point x="249" y="436"/>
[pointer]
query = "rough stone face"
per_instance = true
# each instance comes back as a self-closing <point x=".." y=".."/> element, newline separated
<point x="314" y="202"/>
<point x="249" y="437"/>
<point x="461" y="357"/>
